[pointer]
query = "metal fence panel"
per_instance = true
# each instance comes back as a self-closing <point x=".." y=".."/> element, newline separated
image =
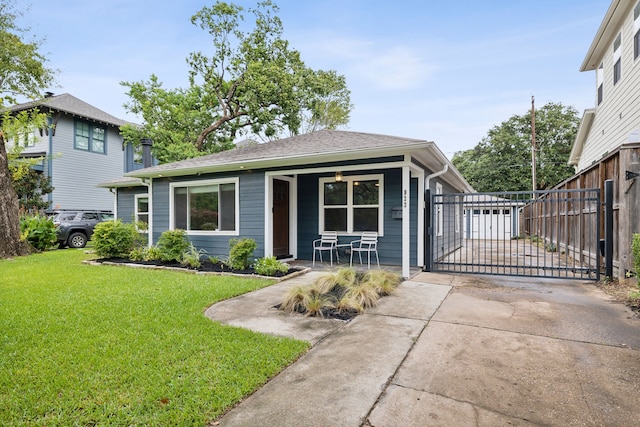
<point x="551" y="233"/>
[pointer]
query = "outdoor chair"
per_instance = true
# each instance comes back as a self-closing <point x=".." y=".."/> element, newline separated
<point x="368" y="243"/>
<point x="328" y="241"/>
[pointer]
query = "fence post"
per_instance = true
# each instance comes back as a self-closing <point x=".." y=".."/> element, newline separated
<point x="428" y="234"/>
<point x="608" y="228"/>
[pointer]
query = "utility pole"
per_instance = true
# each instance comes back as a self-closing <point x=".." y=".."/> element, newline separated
<point x="533" y="146"/>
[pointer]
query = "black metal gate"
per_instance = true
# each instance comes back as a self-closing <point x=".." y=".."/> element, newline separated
<point x="552" y="233"/>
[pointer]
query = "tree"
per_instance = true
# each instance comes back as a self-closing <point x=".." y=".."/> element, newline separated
<point x="252" y="83"/>
<point x="502" y="160"/>
<point x="22" y="74"/>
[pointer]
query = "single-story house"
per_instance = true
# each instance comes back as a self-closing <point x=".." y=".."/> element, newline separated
<point x="285" y="193"/>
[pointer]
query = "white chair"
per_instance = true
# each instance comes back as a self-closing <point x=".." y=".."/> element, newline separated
<point x="328" y="241"/>
<point x="368" y="243"/>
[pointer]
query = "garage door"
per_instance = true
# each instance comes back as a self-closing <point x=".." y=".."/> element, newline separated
<point x="492" y="224"/>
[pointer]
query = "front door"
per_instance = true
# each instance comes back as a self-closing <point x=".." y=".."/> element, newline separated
<point x="281" y="219"/>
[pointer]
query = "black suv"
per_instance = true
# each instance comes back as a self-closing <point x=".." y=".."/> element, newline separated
<point x="75" y="227"/>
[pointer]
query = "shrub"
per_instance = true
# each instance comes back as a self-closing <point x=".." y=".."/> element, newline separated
<point x="240" y="252"/>
<point x="153" y="253"/>
<point x="269" y="266"/>
<point x="115" y="239"/>
<point x="635" y="252"/>
<point x="191" y="258"/>
<point x="138" y="254"/>
<point x="172" y="244"/>
<point x="39" y="231"/>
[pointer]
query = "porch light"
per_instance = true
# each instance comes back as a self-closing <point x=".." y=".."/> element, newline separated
<point x="338" y="176"/>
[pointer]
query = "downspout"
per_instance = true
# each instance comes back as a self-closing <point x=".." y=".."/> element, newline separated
<point x="427" y="179"/>
<point x="428" y="231"/>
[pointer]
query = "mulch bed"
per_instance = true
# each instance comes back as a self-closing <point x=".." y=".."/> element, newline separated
<point x="329" y="313"/>
<point x="206" y="266"/>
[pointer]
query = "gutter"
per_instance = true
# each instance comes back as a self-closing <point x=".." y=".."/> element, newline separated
<point x="427" y="179"/>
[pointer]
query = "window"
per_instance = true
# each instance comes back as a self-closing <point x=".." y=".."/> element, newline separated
<point x="439" y="218"/>
<point x="141" y="213"/>
<point x="89" y="137"/>
<point x="205" y="206"/>
<point x="352" y="205"/>
<point x="617" y="58"/>
<point x="600" y="83"/>
<point x="617" y="71"/>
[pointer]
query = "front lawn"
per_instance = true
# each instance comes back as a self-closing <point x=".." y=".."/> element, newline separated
<point x="89" y="345"/>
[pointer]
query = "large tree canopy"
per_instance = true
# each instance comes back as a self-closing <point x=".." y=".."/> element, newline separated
<point x="252" y="83"/>
<point x="23" y="74"/>
<point x="502" y="160"/>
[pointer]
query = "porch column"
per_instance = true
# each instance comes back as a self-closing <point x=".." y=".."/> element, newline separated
<point x="406" y="230"/>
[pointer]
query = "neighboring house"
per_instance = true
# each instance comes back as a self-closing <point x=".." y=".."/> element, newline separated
<point x="83" y="148"/>
<point x="285" y="193"/>
<point x="608" y="142"/>
<point x="614" y="55"/>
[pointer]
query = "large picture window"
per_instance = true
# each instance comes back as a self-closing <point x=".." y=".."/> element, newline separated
<point x="208" y="206"/>
<point x="352" y="205"/>
<point x="90" y="137"/>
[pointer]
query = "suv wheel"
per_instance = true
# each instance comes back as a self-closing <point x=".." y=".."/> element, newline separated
<point x="77" y="240"/>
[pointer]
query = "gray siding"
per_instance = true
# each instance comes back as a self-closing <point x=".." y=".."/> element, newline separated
<point x="251" y="194"/>
<point x="450" y="240"/>
<point x="126" y="202"/>
<point x="389" y="245"/>
<point x="76" y="172"/>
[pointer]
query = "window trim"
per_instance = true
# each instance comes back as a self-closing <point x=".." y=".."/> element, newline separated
<point x="617" y="71"/>
<point x="350" y="179"/>
<point x="617" y="59"/>
<point x="202" y="183"/>
<point x="136" y="212"/>
<point x="89" y="148"/>
<point x="600" y="84"/>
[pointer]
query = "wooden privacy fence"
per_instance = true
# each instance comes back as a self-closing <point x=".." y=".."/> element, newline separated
<point x="569" y="228"/>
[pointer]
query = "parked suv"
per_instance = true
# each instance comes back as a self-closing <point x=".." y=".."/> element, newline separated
<point x="75" y="227"/>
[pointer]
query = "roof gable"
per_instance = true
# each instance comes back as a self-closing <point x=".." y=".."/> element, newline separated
<point x="609" y="28"/>
<point x="320" y="146"/>
<point x="71" y="105"/>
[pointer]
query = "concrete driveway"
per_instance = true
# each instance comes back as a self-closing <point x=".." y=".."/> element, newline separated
<point x="453" y="350"/>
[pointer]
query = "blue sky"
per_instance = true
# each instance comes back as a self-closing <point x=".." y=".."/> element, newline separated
<point x="443" y="71"/>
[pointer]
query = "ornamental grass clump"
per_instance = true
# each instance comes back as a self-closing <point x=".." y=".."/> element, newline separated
<point x="383" y="282"/>
<point x="343" y="292"/>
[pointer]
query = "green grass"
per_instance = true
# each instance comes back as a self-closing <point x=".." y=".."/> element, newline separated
<point x="100" y="345"/>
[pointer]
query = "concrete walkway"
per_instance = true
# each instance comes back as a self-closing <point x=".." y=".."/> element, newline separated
<point x="451" y="350"/>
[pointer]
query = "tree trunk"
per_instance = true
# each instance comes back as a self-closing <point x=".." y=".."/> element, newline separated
<point x="10" y="244"/>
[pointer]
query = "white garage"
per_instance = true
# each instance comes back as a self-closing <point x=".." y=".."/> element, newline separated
<point x="489" y="217"/>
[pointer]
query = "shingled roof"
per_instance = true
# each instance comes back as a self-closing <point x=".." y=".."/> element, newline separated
<point x="315" y="147"/>
<point x="70" y="104"/>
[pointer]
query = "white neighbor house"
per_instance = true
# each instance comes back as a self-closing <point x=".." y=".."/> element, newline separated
<point x="614" y="55"/>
